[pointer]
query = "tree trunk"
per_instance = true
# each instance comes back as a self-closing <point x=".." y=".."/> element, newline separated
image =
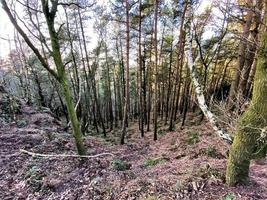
<point x="72" y="115"/>
<point x="156" y="72"/>
<point x="60" y="74"/>
<point x="126" y="101"/>
<point x="241" y="54"/>
<point x="141" y="108"/>
<point x="178" y="72"/>
<point x="250" y="139"/>
<point x="250" y="57"/>
<point x="199" y="92"/>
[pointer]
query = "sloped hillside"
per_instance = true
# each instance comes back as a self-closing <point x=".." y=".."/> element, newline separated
<point x="184" y="164"/>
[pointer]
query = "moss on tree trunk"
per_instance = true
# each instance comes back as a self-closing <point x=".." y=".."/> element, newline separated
<point x="244" y="147"/>
<point x="72" y="115"/>
<point x="250" y="139"/>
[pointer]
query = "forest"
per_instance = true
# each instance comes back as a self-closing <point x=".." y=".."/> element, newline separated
<point x="133" y="99"/>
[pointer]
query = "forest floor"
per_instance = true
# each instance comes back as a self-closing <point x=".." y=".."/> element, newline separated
<point x="188" y="163"/>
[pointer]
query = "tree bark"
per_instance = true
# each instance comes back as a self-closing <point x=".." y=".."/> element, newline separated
<point x="141" y="107"/>
<point x="199" y="92"/>
<point x="250" y="141"/>
<point x="125" y="112"/>
<point x="156" y="71"/>
<point x="242" y="58"/>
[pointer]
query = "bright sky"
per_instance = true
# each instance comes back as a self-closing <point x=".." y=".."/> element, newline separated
<point x="7" y="30"/>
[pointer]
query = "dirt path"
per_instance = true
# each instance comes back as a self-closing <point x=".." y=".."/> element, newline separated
<point x="180" y="165"/>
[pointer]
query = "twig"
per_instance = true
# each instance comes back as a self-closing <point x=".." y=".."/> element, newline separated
<point x="64" y="155"/>
<point x="77" y="4"/>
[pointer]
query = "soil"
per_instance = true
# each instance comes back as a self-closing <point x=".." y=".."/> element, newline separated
<point x="188" y="163"/>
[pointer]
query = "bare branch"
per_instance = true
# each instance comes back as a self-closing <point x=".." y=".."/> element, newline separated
<point x="27" y="40"/>
<point x="64" y="155"/>
<point x="76" y="4"/>
<point x="29" y="7"/>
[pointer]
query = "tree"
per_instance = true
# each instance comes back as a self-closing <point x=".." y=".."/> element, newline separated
<point x="242" y="55"/>
<point x="192" y="68"/>
<point x="126" y="101"/>
<point x="250" y="141"/>
<point x="140" y="68"/>
<point x="156" y="70"/>
<point x="60" y="72"/>
<point x="179" y="68"/>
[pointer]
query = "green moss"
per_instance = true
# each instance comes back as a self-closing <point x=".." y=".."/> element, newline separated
<point x="51" y="135"/>
<point x="109" y="189"/>
<point x="151" y="198"/>
<point x="210" y="151"/>
<point x="34" y="178"/>
<point x="207" y="171"/>
<point x="21" y="123"/>
<point x="178" y="186"/>
<point x="228" y="196"/>
<point x="241" y="150"/>
<point x="161" y="132"/>
<point x="72" y="114"/>
<point x="246" y="142"/>
<point x="192" y="137"/>
<point x="120" y="165"/>
<point x="153" y="161"/>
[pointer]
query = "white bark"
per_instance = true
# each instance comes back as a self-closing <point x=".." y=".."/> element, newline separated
<point x="199" y="92"/>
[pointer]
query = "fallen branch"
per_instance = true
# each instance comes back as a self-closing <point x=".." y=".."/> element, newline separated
<point x="64" y="155"/>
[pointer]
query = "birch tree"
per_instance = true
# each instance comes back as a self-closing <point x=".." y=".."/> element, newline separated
<point x="192" y="68"/>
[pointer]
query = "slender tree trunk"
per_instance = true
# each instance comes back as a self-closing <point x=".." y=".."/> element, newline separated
<point x="90" y="96"/>
<point x="91" y="77"/>
<point x="156" y="71"/>
<point x="76" y="78"/>
<point x="125" y="116"/>
<point x="141" y="107"/>
<point x="149" y="85"/>
<point x="186" y="97"/>
<point x="144" y="86"/>
<point x="115" y="100"/>
<point x="250" y="56"/>
<point x="110" y="109"/>
<point x="169" y="85"/>
<point x="178" y="74"/>
<point x="199" y="92"/>
<point x="241" y="54"/>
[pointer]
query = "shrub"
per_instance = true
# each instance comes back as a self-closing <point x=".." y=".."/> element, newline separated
<point x="153" y="161"/>
<point x="161" y="132"/>
<point x="34" y="178"/>
<point x="192" y="137"/>
<point x="228" y="196"/>
<point x="210" y="151"/>
<point x="120" y="165"/>
<point x="21" y="123"/>
<point x="207" y="172"/>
